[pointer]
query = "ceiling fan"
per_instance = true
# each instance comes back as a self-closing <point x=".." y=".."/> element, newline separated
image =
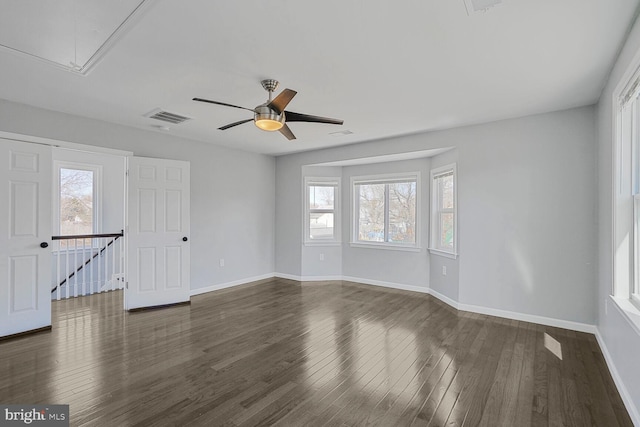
<point x="271" y="115"/>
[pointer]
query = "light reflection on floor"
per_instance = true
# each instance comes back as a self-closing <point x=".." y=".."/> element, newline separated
<point x="553" y="345"/>
<point x="379" y="360"/>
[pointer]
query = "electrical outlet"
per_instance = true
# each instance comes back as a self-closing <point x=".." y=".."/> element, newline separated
<point x="444" y="270"/>
<point x="321" y="257"/>
<point x="221" y="262"/>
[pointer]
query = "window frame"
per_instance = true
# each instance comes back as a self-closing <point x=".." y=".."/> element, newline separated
<point x="436" y="211"/>
<point x="625" y="289"/>
<point x="389" y="178"/>
<point x="312" y="181"/>
<point x="97" y="192"/>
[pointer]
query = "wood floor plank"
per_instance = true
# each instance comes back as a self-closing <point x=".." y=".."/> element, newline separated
<point x="278" y="352"/>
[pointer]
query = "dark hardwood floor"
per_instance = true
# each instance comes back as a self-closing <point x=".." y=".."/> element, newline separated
<point x="286" y="354"/>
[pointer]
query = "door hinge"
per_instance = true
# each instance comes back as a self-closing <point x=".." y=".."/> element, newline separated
<point x="127" y="285"/>
<point x="127" y="172"/>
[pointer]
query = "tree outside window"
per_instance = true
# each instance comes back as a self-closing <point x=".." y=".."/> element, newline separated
<point x="77" y="202"/>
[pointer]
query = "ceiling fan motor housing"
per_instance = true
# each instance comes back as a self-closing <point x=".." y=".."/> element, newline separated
<point x="267" y="119"/>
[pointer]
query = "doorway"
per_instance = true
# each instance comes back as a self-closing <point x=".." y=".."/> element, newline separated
<point x="88" y="217"/>
<point x="148" y="201"/>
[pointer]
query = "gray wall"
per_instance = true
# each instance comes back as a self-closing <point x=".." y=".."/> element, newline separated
<point x="232" y="192"/>
<point x="526" y="212"/>
<point x="526" y="198"/>
<point x="289" y="209"/>
<point x="621" y="340"/>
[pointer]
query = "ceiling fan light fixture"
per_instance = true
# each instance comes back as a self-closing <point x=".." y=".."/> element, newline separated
<point x="272" y="116"/>
<point x="268" y="120"/>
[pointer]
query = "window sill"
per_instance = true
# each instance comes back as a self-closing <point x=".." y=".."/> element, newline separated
<point x="327" y="243"/>
<point x="443" y="253"/>
<point x="386" y="246"/>
<point x="629" y="311"/>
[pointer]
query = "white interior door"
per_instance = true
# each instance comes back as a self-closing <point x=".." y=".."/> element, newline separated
<point x="157" y="233"/>
<point x="25" y="237"/>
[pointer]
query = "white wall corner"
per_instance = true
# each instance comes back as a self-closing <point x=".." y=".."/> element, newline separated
<point x="634" y="411"/>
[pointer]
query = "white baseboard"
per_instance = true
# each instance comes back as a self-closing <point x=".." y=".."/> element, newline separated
<point x="453" y="303"/>
<point x="547" y="321"/>
<point x="541" y="320"/>
<point x="424" y="290"/>
<point x="633" y="410"/>
<point x="307" y="278"/>
<point x="532" y="318"/>
<point x="288" y="276"/>
<point x="212" y="288"/>
<point x="319" y="278"/>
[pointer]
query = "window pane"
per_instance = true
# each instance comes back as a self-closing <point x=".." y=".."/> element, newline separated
<point x="321" y="197"/>
<point x="446" y="231"/>
<point x="76" y="201"/>
<point x="321" y="225"/>
<point x="371" y="213"/>
<point x="402" y="212"/>
<point x="445" y="190"/>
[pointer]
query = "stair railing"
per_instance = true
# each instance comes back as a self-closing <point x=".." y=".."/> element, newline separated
<point x="85" y="264"/>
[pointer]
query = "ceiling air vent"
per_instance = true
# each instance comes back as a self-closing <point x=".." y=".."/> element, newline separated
<point x="474" y="6"/>
<point x="341" y="133"/>
<point x="168" y="117"/>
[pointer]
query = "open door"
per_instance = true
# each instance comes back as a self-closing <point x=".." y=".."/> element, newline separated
<point x="25" y="237"/>
<point x="157" y="233"/>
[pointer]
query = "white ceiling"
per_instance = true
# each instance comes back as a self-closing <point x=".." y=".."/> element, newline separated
<point x="386" y="68"/>
<point x="67" y="33"/>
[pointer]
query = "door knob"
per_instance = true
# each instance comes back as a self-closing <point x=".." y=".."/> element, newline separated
<point x="184" y="239"/>
<point x="44" y="245"/>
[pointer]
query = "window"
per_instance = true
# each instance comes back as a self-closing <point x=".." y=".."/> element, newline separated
<point x="76" y="210"/>
<point x="627" y="204"/>
<point x="625" y="200"/>
<point x="443" y="211"/>
<point x="385" y="210"/>
<point x="321" y="205"/>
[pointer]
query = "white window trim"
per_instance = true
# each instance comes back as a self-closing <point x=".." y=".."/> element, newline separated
<point x="334" y="181"/>
<point x="384" y="178"/>
<point x="97" y="193"/>
<point x="433" y="249"/>
<point x="634" y="287"/>
<point x="624" y="283"/>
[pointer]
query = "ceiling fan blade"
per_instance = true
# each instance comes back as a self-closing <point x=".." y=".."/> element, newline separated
<point x="299" y="117"/>
<point x="287" y="132"/>
<point x="281" y="101"/>
<point x="230" y="125"/>
<point x="221" y="103"/>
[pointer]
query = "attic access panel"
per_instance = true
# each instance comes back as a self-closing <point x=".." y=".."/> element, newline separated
<point x="72" y="34"/>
